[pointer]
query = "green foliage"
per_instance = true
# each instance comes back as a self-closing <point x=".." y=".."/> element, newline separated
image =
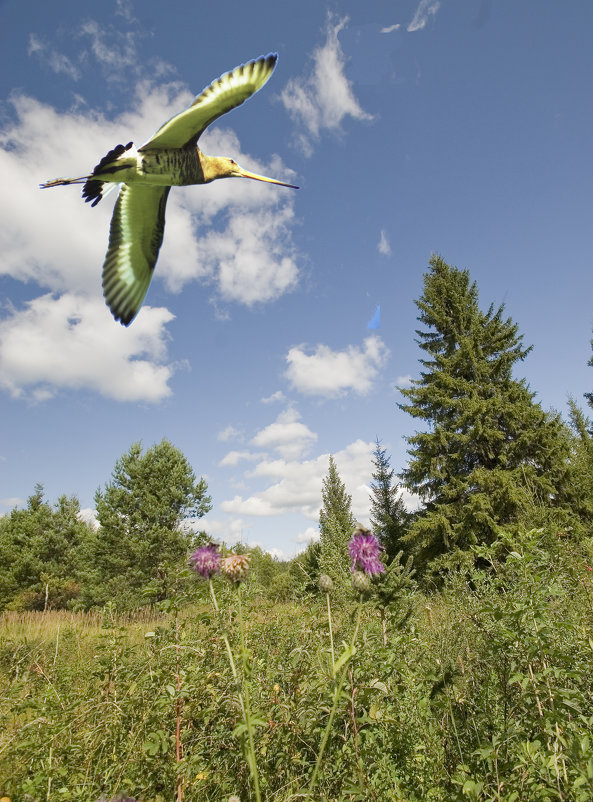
<point x="389" y="518"/>
<point x="135" y="556"/>
<point x="40" y="554"/>
<point x="478" y="691"/>
<point x="488" y="442"/>
<point x="336" y="524"/>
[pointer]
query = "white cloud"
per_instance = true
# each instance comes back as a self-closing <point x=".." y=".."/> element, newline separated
<point x="332" y="373"/>
<point x="228" y="530"/>
<point x="426" y="9"/>
<point x="391" y="28"/>
<point x="52" y="238"/>
<point x="287" y="435"/>
<point x="89" y="516"/>
<point x="403" y="381"/>
<point x="229" y="433"/>
<point x="384" y="247"/>
<point x="296" y="485"/>
<point x="310" y="534"/>
<point x="69" y="342"/>
<point x="323" y="98"/>
<point x="271" y="399"/>
<point x="234" y="457"/>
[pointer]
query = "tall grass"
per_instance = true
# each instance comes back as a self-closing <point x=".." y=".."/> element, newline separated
<point x="479" y="691"/>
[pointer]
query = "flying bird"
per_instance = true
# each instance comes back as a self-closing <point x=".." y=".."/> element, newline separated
<point x="170" y="158"/>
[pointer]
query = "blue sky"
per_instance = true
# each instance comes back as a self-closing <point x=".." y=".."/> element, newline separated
<point x="412" y="126"/>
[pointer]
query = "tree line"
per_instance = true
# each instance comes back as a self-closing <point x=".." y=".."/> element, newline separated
<point x="485" y="458"/>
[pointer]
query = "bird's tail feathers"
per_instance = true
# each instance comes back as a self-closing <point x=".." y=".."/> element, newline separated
<point x="62" y="182"/>
<point x="92" y="191"/>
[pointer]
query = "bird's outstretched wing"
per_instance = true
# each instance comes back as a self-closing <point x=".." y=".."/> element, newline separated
<point x="224" y="94"/>
<point x="135" y="237"/>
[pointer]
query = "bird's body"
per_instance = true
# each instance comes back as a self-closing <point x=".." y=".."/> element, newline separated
<point x="170" y="158"/>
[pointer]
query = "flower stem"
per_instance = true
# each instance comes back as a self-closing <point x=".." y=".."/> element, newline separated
<point x="251" y="759"/>
<point x="243" y="690"/>
<point x="336" y="698"/>
<point x="331" y="634"/>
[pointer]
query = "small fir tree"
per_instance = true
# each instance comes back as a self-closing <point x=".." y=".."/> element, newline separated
<point x="389" y="518"/>
<point x="336" y="524"/>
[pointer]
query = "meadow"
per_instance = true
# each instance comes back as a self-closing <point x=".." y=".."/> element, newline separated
<point x="479" y="689"/>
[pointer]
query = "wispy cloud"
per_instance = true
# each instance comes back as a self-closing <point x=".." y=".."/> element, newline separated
<point x="426" y="9"/>
<point x="52" y="58"/>
<point x="229" y="433"/>
<point x="272" y="399"/>
<point x="329" y="373"/>
<point x="384" y="247"/>
<point x="323" y="98"/>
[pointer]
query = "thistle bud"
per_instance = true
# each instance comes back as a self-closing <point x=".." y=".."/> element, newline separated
<point x="235" y="567"/>
<point x="325" y="583"/>
<point x="361" y="581"/>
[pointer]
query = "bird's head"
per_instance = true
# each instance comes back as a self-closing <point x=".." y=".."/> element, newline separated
<point x="222" y="167"/>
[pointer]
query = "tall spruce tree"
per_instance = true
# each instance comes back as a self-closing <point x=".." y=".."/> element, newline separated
<point x="336" y="524"/>
<point x="488" y="444"/>
<point x="389" y="518"/>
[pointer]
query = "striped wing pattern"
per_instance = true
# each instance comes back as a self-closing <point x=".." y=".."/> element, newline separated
<point x="135" y="237"/>
<point x="224" y="94"/>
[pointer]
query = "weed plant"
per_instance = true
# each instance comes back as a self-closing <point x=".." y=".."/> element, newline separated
<point x="480" y="690"/>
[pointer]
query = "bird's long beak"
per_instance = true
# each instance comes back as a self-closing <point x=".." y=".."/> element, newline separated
<point x="246" y="174"/>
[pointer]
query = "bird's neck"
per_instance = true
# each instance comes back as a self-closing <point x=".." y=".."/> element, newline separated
<point x="212" y="167"/>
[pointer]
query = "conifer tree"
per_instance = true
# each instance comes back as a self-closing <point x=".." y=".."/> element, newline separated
<point x="336" y="524"/>
<point x="487" y="443"/>
<point x="389" y="518"/>
<point x="40" y="553"/>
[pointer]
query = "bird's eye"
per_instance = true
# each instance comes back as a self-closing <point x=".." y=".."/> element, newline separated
<point x="233" y="162"/>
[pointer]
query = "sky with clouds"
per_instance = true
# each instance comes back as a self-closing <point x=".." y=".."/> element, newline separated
<point x="412" y="127"/>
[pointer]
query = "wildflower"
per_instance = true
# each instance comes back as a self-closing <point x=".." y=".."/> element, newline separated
<point x="236" y="567"/>
<point x="364" y="551"/>
<point x="361" y="581"/>
<point x="234" y="798"/>
<point x="206" y="560"/>
<point x="325" y="583"/>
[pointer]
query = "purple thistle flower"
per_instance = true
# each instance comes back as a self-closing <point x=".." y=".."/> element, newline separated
<point x="206" y="560"/>
<point x="364" y="551"/>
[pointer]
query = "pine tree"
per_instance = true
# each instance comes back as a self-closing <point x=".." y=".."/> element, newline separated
<point x="40" y="553"/>
<point x="336" y="524"/>
<point x="488" y="443"/>
<point x="389" y="518"/>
